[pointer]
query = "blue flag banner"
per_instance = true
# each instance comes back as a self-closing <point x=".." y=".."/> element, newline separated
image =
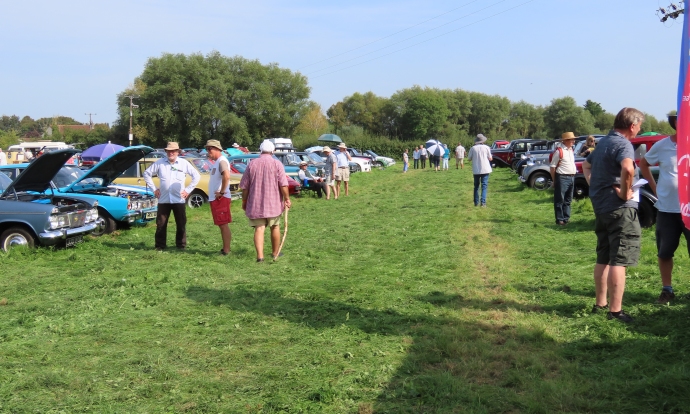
<point x="683" y="125"/>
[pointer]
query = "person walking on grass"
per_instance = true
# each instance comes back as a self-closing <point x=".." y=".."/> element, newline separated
<point x="459" y="156"/>
<point x="480" y="155"/>
<point x="415" y="157"/>
<point x="423" y="154"/>
<point x="219" y="192"/>
<point x="563" y="172"/>
<point x="329" y="171"/>
<point x="343" y="173"/>
<point x="172" y="194"/>
<point x="610" y="172"/>
<point x="264" y="198"/>
<point x="669" y="221"/>
<point x="406" y="161"/>
<point x="446" y="157"/>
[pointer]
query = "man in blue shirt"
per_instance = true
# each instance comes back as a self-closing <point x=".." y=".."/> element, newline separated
<point x="610" y="172"/>
<point x="171" y="194"/>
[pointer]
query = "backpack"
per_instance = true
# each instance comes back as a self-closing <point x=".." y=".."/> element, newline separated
<point x="560" y="155"/>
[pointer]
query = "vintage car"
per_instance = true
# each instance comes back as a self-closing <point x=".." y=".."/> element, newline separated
<point x="134" y="175"/>
<point x="379" y="160"/>
<point x="118" y="205"/>
<point x="293" y="158"/>
<point x="294" y="188"/>
<point x="510" y="155"/>
<point x="290" y="170"/>
<point x="33" y="214"/>
<point x="499" y="144"/>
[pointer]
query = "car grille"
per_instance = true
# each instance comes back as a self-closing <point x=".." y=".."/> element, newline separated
<point x="76" y="219"/>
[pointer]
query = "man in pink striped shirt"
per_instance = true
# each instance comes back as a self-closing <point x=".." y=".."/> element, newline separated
<point x="264" y="196"/>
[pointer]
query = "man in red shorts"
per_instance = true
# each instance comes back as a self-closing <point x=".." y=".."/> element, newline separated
<point x="264" y="197"/>
<point x="219" y="192"/>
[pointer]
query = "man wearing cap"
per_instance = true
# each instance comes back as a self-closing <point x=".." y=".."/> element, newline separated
<point x="343" y="173"/>
<point x="480" y="155"/>
<point x="172" y="194"/>
<point x="307" y="179"/>
<point x="219" y="192"/>
<point x="563" y="172"/>
<point x="610" y="172"/>
<point x="264" y="197"/>
<point x="669" y="221"/>
<point x="329" y="171"/>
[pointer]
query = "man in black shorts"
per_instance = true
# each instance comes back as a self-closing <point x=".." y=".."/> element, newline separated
<point x="610" y="173"/>
<point x="669" y="222"/>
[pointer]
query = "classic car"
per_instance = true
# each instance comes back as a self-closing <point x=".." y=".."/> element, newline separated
<point x="379" y="160"/>
<point x="499" y="144"/>
<point x="356" y="165"/>
<point x="292" y="159"/>
<point x="134" y="175"/>
<point x="118" y="205"/>
<point x="290" y="170"/>
<point x="293" y="186"/>
<point x="31" y="216"/>
<point x="510" y="155"/>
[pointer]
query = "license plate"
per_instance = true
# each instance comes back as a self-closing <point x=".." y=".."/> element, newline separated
<point x="150" y="215"/>
<point x="73" y="241"/>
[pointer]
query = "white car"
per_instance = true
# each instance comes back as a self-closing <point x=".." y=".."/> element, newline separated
<point x="357" y="164"/>
<point x="380" y="160"/>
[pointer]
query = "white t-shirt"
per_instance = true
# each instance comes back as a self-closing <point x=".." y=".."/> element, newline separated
<point x="480" y="155"/>
<point x="460" y="152"/>
<point x="664" y="154"/>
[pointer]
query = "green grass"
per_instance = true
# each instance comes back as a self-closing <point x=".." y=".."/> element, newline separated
<point x="402" y="298"/>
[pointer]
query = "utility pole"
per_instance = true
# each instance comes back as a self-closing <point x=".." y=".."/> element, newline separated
<point x="672" y="11"/>
<point x="90" y="121"/>
<point x="131" y="106"/>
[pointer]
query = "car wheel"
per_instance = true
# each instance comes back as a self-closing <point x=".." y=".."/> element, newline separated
<point x="514" y="164"/>
<point x="378" y="164"/>
<point x="104" y="224"/>
<point x="357" y="168"/>
<point x="540" y="181"/>
<point x="581" y="189"/>
<point x="196" y="199"/>
<point x="14" y="237"/>
<point x="646" y="212"/>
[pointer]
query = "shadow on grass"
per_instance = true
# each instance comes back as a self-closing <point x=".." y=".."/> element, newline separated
<point x="483" y="366"/>
<point x="238" y="251"/>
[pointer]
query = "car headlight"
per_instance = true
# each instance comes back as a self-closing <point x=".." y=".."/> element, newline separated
<point x="92" y="215"/>
<point x="58" y="221"/>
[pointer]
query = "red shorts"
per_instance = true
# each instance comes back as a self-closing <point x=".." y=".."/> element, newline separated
<point x="220" y="210"/>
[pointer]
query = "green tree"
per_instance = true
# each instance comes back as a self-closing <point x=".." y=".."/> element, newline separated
<point x="337" y="116"/>
<point x="563" y="115"/>
<point x="525" y="120"/>
<point x="594" y="108"/>
<point x="489" y="114"/>
<point x="425" y="113"/>
<point x="10" y="123"/>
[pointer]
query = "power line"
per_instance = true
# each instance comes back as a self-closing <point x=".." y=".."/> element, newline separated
<point x="423" y="41"/>
<point x="406" y="39"/>
<point x="386" y="37"/>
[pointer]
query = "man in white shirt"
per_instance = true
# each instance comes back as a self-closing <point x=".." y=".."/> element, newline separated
<point x="171" y="194"/>
<point x="563" y="172"/>
<point x="459" y="156"/>
<point x="307" y="179"/>
<point x="219" y="198"/>
<point x="3" y="158"/>
<point x="669" y="222"/>
<point x="423" y="155"/>
<point x="480" y="155"/>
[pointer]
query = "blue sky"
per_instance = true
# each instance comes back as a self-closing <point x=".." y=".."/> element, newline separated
<point x="73" y="57"/>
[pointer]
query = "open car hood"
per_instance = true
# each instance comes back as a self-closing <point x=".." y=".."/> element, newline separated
<point x="112" y="167"/>
<point x="38" y="174"/>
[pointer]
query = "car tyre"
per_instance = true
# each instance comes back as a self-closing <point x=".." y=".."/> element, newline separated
<point x="196" y="199"/>
<point x="540" y="181"/>
<point x="357" y="168"/>
<point x="104" y="224"/>
<point x="581" y="189"/>
<point x="16" y="236"/>
<point x="514" y="164"/>
<point x="646" y="212"/>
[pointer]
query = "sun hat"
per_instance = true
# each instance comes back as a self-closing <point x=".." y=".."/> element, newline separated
<point x="342" y="145"/>
<point x="672" y="120"/>
<point x="326" y="149"/>
<point x="172" y="146"/>
<point x="567" y="135"/>
<point x="235" y="145"/>
<point x="267" y="146"/>
<point x="480" y="139"/>
<point x="214" y="143"/>
<point x="303" y="163"/>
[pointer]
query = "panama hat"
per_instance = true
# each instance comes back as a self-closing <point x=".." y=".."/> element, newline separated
<point x="567" y="135"/>
<point x="326" y="149"/>
<point x="214" y="143"/>
<point x="172" y="146"/>
<point x="342" y="145"/>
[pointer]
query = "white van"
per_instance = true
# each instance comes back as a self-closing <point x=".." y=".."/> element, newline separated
<point x="15" y="153"/>
<point x="282" y="144"/>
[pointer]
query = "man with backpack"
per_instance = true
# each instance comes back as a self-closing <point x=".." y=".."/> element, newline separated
<point x="563" y="177"/>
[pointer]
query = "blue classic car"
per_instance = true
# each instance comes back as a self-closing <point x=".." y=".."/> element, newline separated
<point x="30" y="215"/>
<point x="117" y="204"/>
<point x="291" y="170"/>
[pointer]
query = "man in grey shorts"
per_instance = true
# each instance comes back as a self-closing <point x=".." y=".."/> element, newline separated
<point x="610" y="173"/>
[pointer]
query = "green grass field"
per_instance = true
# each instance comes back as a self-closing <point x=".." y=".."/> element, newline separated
<point x="402" y="298"/>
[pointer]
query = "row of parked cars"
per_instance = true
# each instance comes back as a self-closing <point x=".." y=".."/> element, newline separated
<point x="529" y="159"/>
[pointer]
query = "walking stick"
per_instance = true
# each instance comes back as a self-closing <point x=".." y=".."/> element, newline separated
<point x="284" y="234"/>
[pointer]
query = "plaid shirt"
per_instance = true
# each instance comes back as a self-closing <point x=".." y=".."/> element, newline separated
<point x="262" y="179"/>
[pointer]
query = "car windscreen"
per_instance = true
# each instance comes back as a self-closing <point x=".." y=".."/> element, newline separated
<point x="4" y="182"/>
<point x="202" y="164"/>
<point x="69" y="174"/>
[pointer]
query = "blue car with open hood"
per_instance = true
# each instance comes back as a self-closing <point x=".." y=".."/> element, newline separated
<point x="118" y="205"/>
<point x="31" y="213"/>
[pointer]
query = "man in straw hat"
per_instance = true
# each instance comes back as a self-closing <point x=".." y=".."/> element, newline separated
<point x="219" y="192"/>
<point x="343" y="173"/>
<point x="563" y="172"/>
<point x="307" y="179"/>
<point x="669" y="221"/>
<point x="329" y="170"/>
<point x="480" y="155"/>
<point x="610" y="172"/>
<point x="264" y="197"/>
<point x="172" y="194"/>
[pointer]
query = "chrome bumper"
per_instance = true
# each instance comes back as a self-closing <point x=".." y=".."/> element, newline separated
<point x="53" y="236"/>
<point x="522" y="179"/>
<point x="139" y="215"/>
